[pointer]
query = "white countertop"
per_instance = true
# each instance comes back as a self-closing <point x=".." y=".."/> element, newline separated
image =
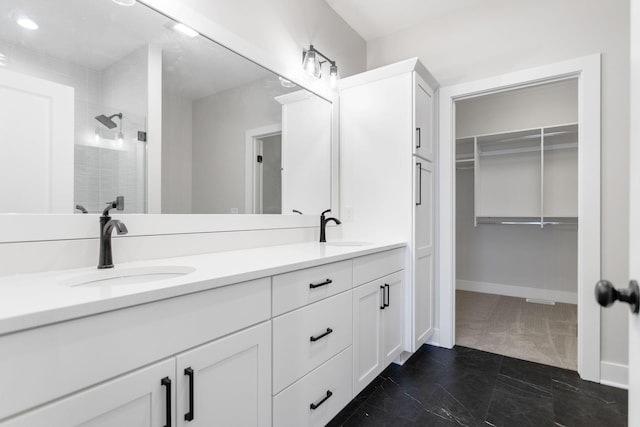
<point x="32" y="300"/>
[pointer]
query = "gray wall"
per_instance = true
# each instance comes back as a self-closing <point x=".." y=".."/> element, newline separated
<point x="498" y="36"/>
<point x="219" y="125"/>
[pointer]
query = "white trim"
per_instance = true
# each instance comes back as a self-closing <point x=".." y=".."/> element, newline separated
<point x="614" y="375"/>
<point x="48" y="227"/>
<point x="518" y="291"/>
<point x="387" y="71"/>
<point x="435" y="338"/>
<point x="250" y="137"/>
<point x="587" y="70"/>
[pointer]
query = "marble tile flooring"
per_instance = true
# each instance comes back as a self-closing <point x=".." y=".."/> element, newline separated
<point x="468" y="387"/>
<point x="512" y="327"/>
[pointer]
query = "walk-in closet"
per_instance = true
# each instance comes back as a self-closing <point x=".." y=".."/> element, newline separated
<point x="517" y="222"/>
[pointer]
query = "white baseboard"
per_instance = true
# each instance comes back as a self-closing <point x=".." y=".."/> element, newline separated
<point x="435" y="338"/>
<point x="518" y="291"/>
<point x="614" y="375"/>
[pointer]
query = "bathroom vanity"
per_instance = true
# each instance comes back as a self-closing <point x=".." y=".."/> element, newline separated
<point x="280" y="336"/>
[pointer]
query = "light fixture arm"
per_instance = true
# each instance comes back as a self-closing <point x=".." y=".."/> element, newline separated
<point x="313" y="49"/>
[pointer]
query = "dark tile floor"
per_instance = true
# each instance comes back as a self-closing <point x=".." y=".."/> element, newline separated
<point x="467" y="387"/>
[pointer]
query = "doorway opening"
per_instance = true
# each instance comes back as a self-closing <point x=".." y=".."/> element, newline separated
<point x="263" y="170"/>
<point x="586" y="71"/>
<point x="517" y="223"/>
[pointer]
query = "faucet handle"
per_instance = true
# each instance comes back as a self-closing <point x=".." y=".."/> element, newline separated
<point x="118" y="204"/>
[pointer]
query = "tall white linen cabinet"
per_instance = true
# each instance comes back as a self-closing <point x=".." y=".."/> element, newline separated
<point x="387" y="171"/>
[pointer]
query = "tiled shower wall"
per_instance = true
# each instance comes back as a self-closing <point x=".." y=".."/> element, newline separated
<point x="124" y="167"/>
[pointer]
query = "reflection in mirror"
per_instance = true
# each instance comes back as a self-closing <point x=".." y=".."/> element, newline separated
<point x="102" y="100"/>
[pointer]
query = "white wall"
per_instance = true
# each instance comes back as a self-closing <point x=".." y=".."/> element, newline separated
<point x="499" y="36"/>
<point x="284" y="27"/>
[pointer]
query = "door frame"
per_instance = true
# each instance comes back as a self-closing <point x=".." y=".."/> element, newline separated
<point x="251" y="136"/>
<point x="587" y="70"/>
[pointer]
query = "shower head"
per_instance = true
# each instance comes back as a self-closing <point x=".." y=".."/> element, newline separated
<point x="108" y="121"/>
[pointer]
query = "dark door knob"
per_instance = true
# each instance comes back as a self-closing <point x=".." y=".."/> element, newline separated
<point x="606" y="294"/>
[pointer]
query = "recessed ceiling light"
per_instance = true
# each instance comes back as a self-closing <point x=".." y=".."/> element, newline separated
<point x="27" y="23"/>
<point x="182" y="29"/>
<point x="286" y="83"/>
<point x="125" y="2"/>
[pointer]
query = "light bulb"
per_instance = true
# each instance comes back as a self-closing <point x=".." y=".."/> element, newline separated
<point x="311" y="64"/>
<point x="333" y="76"/>
<point x="120" y="138"/>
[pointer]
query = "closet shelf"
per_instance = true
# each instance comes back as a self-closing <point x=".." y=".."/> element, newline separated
<point x="519" y="141"/>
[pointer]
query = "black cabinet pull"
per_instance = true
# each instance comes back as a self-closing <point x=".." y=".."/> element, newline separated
<point x="382" y="306"/>
<point x="315" y="406"/>
<point x="189" y="415"/>
<point x="322" y="335"/>
<point x="317" y="285"/>
<point x="166" y="381"/>
<point x="419" y="201"/>
<point x="419" y="138"/>
<point x="386" y="304"/>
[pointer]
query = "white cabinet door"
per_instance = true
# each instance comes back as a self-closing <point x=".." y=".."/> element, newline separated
<point x="393" y="316"/>
<point x="140" y="399"/>
<point x="367" y="333"/>
<point x="378" y="327"/>
<point x="229" y="381"/>
<point x="423" y="252"/>
<point x="423" y="142"/>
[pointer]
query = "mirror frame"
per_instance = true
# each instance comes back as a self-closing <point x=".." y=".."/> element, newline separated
<point x="45" y="227"/>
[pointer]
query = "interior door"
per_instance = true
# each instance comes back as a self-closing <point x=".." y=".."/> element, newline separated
<point x="634" y="218"/>
<point x="36" y="156"/>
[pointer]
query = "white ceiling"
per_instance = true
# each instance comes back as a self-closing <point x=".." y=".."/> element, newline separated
<point x="98" y="33"/>
<point x="377" y="18"/>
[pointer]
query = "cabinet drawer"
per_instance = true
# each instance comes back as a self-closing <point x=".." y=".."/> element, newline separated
<point x="292" y="407"/>
<point x="302" y="341"/>
<point x="374" y="266"/>
<point x="302" y="287"/>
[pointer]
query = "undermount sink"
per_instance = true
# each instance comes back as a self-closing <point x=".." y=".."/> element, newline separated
<point x="127" y="276"/>
<point x="348" y="243"/>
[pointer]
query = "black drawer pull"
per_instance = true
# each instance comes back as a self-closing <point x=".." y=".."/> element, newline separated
<point x="419" y="138"/>
<point x="315" y="406"/>
<point x="386" y="304"/>
<point x="383" y="304"/>
<point x="317" y="285"/>
<point x="322" y="335"/>
<point x="189" y="415"/>
<point x="166" y="381"/>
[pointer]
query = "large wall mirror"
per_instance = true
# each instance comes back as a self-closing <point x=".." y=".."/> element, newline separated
<point x="99" y="99"/>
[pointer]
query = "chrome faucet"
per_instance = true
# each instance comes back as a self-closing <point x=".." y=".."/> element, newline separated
<point x="323" y="225"/>
<point x="106" y="228"/>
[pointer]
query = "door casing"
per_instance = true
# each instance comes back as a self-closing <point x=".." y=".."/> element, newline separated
<point x="587" y="71"/>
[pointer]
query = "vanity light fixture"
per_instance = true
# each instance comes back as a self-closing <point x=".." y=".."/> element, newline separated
<point x="26" y="22"/>
<point x="179" y="27"/>
<point x="125" y="2"/>
<point x="313" y="65"/>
